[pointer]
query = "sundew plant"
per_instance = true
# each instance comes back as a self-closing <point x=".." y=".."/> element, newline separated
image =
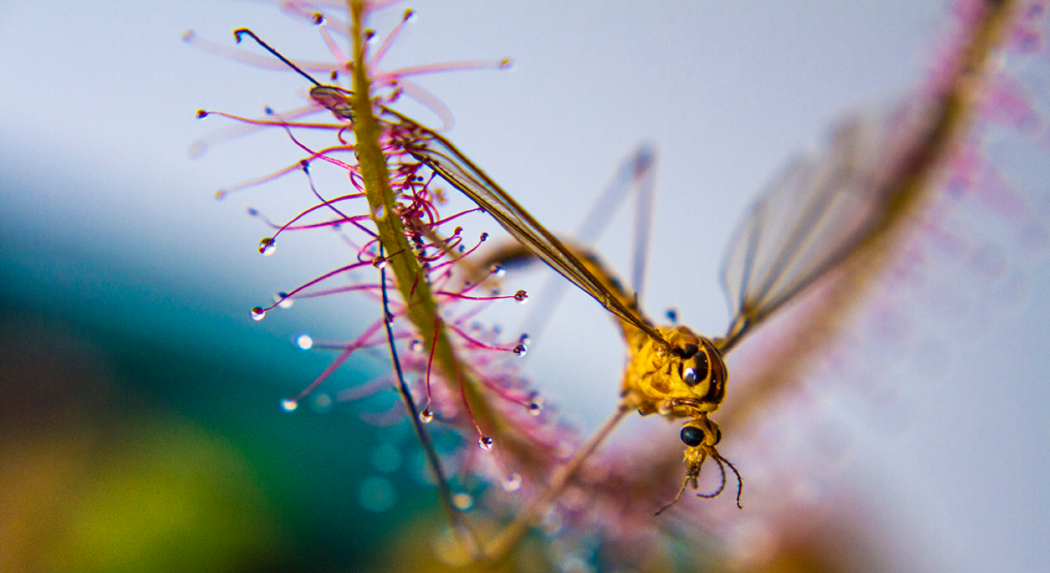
<point x="519" y="482"/>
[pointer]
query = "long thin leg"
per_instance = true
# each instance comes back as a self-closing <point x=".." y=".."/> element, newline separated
<point x="637" y="173"/>
<point x="500" y="547"/>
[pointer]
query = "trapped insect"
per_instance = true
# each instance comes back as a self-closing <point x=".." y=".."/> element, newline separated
<point x="821" y="213"/>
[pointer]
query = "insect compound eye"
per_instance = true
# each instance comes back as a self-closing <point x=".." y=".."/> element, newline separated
<point x="692" y="436"/>
<point x="689" y="376"/>
<point x="702" y="366"/>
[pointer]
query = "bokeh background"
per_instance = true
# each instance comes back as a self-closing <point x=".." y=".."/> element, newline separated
<point x="139" y="419"/>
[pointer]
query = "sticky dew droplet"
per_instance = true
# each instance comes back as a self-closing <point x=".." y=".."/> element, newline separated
<point x="535" y="408"/>
<point x="521" y="296"/>
<point x="304" y="342"/>
<point x="512" y="482"/>
<point x="379" y="261"/>
<point x="426" y="416"/>
<point x="289" y="405"/>
<point x="267" y="246"/>
<point x="462" y="501"/>
<point x="484" y="237"/>
<point x="486" y="443"/>
<point x="283" y="300"/>
<point x="415" y="346"/>
<point x="525" y="339"/>
<point x="258" y="313"/>
<point x="497" y="271"/>
<point x="322" y="403"/>
<point x="520" y="350"/>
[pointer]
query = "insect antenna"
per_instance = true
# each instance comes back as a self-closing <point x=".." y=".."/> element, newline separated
<point x="739" y="480"/>
<point x="240" y="32"/>
<point x="721" y="486"/>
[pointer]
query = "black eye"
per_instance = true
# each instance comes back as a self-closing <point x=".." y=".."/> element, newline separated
<point x="702" y="367"/>
<point x="692" y="436"/>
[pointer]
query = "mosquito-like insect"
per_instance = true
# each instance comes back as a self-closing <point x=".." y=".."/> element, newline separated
<point x="817" y="215"/>
<point x="820" y="214"/>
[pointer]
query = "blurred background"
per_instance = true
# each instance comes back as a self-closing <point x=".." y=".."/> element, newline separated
<point x="139" y="418"/>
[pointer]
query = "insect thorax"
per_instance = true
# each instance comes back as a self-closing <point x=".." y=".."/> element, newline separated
<point x="684" y="382"/>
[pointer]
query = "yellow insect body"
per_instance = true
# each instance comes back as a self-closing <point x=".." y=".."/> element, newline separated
<point x="679" y="374"/>
<point x="686" y="381"/>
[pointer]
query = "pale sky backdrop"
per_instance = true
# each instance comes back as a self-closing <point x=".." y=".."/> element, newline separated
<point x="96" y="117"/>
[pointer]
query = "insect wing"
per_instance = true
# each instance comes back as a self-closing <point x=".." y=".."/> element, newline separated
<point x="439" y="154"/>
<point x="812" y="217"/>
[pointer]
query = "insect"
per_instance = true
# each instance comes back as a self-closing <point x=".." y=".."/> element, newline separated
<point x="819" y="213"/>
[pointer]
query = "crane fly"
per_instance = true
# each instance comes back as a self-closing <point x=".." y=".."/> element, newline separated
<point x="820" y="212"/>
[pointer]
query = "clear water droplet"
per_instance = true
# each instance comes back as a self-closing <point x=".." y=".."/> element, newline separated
<point x="377" y="494"/>
<point x="267" y="246"/>
<point x="665" y="407"/>
<point x="304" y="342"/>
<point x="289" y="405"/>
<point x="426" y="416"/>
<point x="512" y="482"/>
<point x="283" y="300"/>
<point x="322" y="403"/>
<point x="379" y="261"/>
<point x="521" y="296"/>
<point x="462" y="501"/>
<point x="380" y="212"/>
<point x="486" y="443"/>
<point x="386" y="458"/>
<point x="415" y="346"/>
<point x="498" y="271"/>
<point x="258" y="313"/>
<point x="520" y="350"/>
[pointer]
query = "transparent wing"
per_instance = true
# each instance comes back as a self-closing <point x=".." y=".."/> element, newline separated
<point x="636" y="175"/>
<point x="440" y="155"/>
<point x="815" y="214"/>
